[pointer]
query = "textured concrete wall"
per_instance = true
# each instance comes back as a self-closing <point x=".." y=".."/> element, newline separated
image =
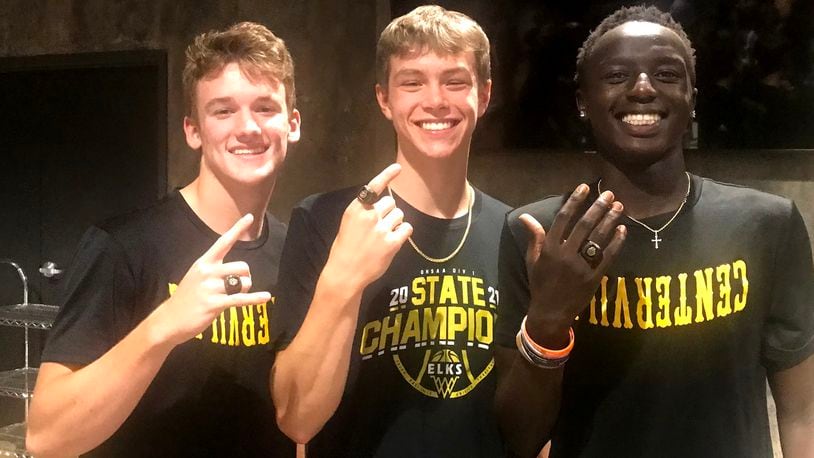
<point x="345" y="139"/>
<point x="332" y="43"/>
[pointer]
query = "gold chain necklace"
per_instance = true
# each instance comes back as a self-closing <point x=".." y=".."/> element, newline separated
<point x="471" y="194"/>
<point x="655" y="232"/>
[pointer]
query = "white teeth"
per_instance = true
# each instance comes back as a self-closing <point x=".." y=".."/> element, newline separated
<point x="641" y="119"/>
<point x="240" y="152"/>
<point x="436" y="125"/>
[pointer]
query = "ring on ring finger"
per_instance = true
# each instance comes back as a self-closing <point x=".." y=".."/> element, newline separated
<point x="591" y="252"/>
<point x="232" y="284"/>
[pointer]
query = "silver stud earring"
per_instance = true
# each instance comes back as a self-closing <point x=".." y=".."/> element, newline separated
<point x="692" y="114"/>
<point x="582" y="114"/>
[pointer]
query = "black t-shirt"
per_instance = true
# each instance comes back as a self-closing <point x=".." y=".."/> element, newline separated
<point x="421" y="379"/>
<point x="211" y="395"/>
<point x="671" y="355"/>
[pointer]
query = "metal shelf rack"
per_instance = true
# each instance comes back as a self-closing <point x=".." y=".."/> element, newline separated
<point x="19" y="383"/>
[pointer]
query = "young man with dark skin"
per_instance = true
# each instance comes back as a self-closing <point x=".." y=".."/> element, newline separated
<point x="390" y="349"/>
<point x="152" y="357"/>
<point x="678" y="327"/>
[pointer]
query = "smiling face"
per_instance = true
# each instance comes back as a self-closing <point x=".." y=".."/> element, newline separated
<point x="637" y="92"/>
<point x="242" y="126"/>
<point x="434" y="102"/>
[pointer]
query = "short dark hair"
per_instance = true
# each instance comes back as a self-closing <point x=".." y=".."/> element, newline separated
<point x="639" y="13"/>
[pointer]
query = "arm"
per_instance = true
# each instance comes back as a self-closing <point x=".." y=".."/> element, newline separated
<point x="793" y="391"/>
<point x="309" y="376"/>
<point x="788" y="340"/>
<point x="528" y="401"/>
<point x="75" y="409"/>
<point x="560" y="285"/>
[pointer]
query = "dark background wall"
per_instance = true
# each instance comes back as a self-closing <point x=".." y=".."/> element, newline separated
<point x="345" y="139"/>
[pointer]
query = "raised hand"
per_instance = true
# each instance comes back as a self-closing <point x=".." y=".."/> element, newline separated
<point x="371" y="233"/>
<point x="201" y="295"/>
<point x="566" y="264"/>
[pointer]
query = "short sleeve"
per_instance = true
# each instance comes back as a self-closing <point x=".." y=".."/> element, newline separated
<point x="305" y="253"/>
<point x="512" y="280"/>
<point x="94" y="315"/>
<point x="788" y="336"/>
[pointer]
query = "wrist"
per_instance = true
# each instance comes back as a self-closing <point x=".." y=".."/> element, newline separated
<point x="340" y="279"/>
<point x="337" y="286"/>
<point x="540" y="356"/>
<point x="548" y="331"/>
<point x="157" y="334"/>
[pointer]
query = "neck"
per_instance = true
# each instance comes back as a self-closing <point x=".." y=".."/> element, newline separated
<point x="436" y="187"/>
<point x="653" y="190"/>
<point x="219" y="206"/>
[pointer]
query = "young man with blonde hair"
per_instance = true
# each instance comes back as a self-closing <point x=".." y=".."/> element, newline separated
<point x="152" y="357"/>
<point x="388" y="345"/>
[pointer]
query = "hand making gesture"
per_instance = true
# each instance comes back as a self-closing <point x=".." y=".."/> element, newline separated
<point x="209" y="287"/>
<point x="566" y="264"/>
<point x="371" y="233"/>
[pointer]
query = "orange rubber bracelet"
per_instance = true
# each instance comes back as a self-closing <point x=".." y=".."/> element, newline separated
<point x="546" y="352"/>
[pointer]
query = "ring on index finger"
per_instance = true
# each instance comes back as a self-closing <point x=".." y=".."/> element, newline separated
<point x="367" y="195"/>
<point x="232" y="284"/>
<point x="591" y="252"/>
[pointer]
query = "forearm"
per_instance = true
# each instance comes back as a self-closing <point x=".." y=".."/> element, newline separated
<point x="310" y="374"/>
<point x="797" y="438"/>
<point x="794" y="398"/>
<point x="74" y="411"/>
<point x="527" y="403"/>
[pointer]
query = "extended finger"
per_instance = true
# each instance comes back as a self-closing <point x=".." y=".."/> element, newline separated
<point x="235" y="267"/>
<point x="224" y="243"/>
<point x="568" y="213"/>
<point x="380" y="182"/>
<point x="613" y="248"/>
<point x="240" y="299"/>
<point x="586" y="224"/>
<point x="606" y="228"/>
<point x="536" y="241"/>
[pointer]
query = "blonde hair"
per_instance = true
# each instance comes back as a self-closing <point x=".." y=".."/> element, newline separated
<point x="255" y="48"/>
<point x="432" y="28"/>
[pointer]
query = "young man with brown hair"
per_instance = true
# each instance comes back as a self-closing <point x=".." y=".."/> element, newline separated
<point x="389" y="345"/>
<point x="152" y="357"/>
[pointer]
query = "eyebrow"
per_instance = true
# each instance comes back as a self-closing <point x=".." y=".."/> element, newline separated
<point x="672" y="58"/>
<point x="217" y="101"/>
<point x="228" y="100"/>
<point x="416" y="72"/>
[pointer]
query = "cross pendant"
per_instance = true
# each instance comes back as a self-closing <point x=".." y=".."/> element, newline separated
<point x="656" y="239"/>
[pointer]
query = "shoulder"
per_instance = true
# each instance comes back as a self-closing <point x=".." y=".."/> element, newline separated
<point x="321" y="213"/>
<point x="277" y="229"/>
<point x="327" y="203"/>
<point x="147" y="220"/>
<point x="724" y="197"/>
<point x="491" y="205"/>
<point x="489" y="212"/>
<point x="543" y="210"/>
